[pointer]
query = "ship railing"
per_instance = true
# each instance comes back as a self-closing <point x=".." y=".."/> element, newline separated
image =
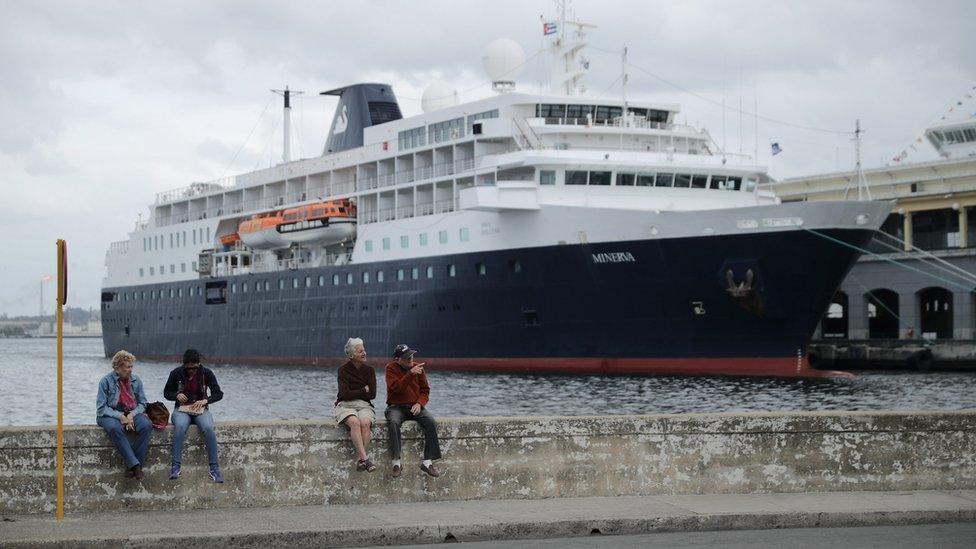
<point x="385" y="214"/>
<point x="425" y="209"/>
<point x="195" y="189"/>
<point x="404" y="212"/>
<point x="368" y="216"/>
<point x="335" y="187"/>
<point x="444" y="206"/>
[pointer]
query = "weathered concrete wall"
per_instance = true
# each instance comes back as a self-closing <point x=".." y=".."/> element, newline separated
<point x="302" y="462"/>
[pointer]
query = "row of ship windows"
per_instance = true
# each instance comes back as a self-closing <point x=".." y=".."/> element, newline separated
<point x="954" y="137"/>
<point x="441" y="131"/>
<point x="422" y="238"/>
<point x="676" y="180"/>
<point x="176" y="239"/>
<point x="414" y="273"/>
<point x="162" y="269"/>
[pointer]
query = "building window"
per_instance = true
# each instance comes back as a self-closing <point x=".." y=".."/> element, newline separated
<point x="379" y="276"/>
<point x="625" y="180"/>
<point x="481" y="268"/>
<point x="267" y="285"/>
<point x="321" y="280"/>
<point x="451" y="270"/>
<point x="348" y="278"/>
<point x="430" y="271"/>
<point x="423" y="239"/>
<point x="294" y="283"/>
<point x="399" y="274"/>
<point x="463" y="234"/>
<point x="162" y="270"/>
<point x="233" y="289"/>
<point x="415" y="273"/>
<point x="335" y="280"/>
<point x="369" y="245"/>
<point x="599" y="178"/>
<point x="170" y="240"/>
<point x="575" y="177"/>
<point x="142" y="272"/>
<point x="152" y="271"/>
<point x="514" y="266"/>
<point x="442" y="237"/>
<point x="208" y="235"/>
<point x="193" y="265"/>
<point x="386" y="243"/>
<point x="404" y="241"/>
<point x="172" y="268"/>
<point x="281" y="283"/>
<point x="365" y="277"/>
<point x="547" y="177"/>
<point x="244" y="287"/>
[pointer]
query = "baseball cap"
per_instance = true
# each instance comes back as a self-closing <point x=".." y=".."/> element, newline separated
<point x="403" y="350"/>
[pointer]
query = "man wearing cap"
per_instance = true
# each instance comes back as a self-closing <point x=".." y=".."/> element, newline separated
<point x="407" y="394"/>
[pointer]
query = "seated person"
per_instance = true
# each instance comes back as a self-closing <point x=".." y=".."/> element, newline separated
<point x="357" y="387"/>
<point x="188" y="385"/>
<point x="119" y="407"/>
<point x="407" y="394"/>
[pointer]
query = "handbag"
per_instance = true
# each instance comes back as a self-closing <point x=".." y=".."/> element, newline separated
<point x="158" y="414"/>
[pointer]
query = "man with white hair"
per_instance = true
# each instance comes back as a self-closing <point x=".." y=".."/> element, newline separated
<point x="357" y="387"/>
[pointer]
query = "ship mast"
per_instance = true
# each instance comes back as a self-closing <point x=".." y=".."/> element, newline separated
<point x="569" y="67"/>
<point x="286" y="146"/>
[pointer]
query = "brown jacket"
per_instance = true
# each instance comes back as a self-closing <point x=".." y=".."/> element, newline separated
<point x="404" y="388"/>
<point x="353" y="380"/>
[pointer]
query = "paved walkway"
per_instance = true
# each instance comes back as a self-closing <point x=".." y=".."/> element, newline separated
<point x="356" y="525"/>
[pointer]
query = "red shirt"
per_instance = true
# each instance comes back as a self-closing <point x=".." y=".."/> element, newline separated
<point x="404" y="388"/>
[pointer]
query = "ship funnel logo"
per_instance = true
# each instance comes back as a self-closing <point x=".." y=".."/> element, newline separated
<point x="341" y="121"/>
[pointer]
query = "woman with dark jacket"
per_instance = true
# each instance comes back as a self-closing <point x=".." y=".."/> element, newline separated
<point x="193" y="388"/>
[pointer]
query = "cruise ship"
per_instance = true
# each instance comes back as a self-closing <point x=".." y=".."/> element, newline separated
<point x="523" y="232"/>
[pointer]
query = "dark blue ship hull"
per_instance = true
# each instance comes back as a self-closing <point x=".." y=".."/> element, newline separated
<point x="736" y="305"/>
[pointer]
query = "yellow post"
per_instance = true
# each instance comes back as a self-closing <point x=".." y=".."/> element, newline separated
<point x="62" y="299"/>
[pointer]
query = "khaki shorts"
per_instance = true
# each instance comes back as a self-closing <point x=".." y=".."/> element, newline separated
<point x="358" y="408"/>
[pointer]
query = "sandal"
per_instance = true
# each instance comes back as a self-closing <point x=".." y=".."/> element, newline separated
<point x="365" y="465"/>
<point x="370" y="466"/>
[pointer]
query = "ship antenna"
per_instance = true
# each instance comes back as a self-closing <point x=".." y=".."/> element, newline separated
<point x="286" y="148"/>
<point x="623" y="92"/>
<point x="861" y="181"/>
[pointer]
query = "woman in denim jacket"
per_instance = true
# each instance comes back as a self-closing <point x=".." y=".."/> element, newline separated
<point x="120" y="407"/>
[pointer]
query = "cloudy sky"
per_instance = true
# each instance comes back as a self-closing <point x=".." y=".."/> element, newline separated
<point x="103" y="104"/>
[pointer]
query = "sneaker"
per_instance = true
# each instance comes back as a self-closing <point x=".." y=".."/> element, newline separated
<point x="174" y="472"/>
<point x="397" y="469"/>
<point x="216" y="475"/>
<point x="430" y="470"/>
<point x="137" y="472"/>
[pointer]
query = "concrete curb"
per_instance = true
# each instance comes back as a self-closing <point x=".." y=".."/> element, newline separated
<point x="508" y="530"/>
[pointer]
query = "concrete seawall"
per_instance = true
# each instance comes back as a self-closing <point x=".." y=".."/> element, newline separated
<point x="311" y="463"/>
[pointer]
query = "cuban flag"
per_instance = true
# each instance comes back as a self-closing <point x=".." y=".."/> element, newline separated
<point x="548" y="28"/>
<point x="776" y="148"/>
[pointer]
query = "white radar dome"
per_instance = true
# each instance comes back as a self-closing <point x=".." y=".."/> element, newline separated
<point x="503" y="60"/>
<point x="438" y="95"/>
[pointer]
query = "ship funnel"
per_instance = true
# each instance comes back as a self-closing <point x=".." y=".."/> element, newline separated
<point x="360" y="106"/>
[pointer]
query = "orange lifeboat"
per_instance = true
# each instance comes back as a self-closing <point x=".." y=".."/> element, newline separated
<point x="230" y="239"/>
<point x="320" y="224"/>
<point x="261" y="231"/>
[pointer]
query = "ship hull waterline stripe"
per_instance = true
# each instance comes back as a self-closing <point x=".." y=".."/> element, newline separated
<point x="791" y="367"/>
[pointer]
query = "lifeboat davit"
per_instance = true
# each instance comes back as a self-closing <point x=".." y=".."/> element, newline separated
<point x="261" y="232"/>
<point x="321" y="224"/>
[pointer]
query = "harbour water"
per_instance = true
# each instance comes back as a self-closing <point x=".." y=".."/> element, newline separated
<point x="28" y="378"/>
